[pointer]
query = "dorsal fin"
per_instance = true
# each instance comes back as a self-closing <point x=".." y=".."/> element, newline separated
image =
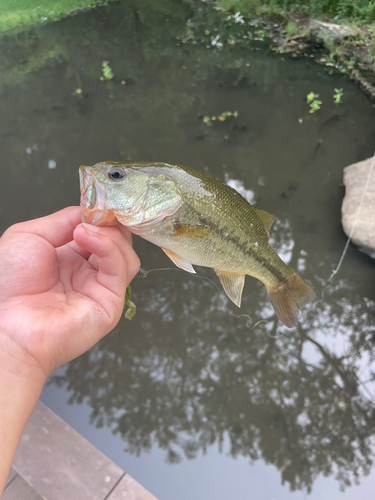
<point x="266" y="218"/>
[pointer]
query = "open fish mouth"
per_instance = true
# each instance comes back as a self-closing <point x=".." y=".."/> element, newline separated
<point x="93" y="209"/>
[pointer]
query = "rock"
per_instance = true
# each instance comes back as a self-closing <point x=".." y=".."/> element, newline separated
<point x="355" y="179"/>
<point x="324" y="32"/>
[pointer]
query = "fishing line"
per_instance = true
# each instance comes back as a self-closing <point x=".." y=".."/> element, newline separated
<point x="321" y="297"/>
<point x="357" y="376"/>
<point x="335" y="271"/>
<point x="249" y="323"/>
<point x="366" y="389"/>
<point x="343" y="255"/>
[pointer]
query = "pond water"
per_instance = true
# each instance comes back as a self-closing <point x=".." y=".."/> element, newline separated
<point x="189" y="397"/>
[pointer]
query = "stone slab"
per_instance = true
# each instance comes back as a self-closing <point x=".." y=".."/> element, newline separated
<point x="59" y="463"/>
<point x="18" y="489"/>
<point x="12" y="474"/>
<point x="129" y="489"/>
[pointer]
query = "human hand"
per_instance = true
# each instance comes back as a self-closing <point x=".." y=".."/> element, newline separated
<point x="62" y="288"/>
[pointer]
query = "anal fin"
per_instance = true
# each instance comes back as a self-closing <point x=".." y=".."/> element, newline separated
<point x="232" y="284"/>
<point x="179" y="261"/>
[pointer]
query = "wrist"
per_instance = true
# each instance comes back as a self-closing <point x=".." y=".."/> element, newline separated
<point x="21" y="382"/>
<point x="18" y="366"/>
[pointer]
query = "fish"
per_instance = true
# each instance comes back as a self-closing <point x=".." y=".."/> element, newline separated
<point x="196" y="220"/>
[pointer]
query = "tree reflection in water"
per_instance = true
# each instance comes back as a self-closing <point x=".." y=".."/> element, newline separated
<point x="187" y="375"/>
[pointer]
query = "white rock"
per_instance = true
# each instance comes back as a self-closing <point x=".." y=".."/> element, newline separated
<point x="355" y="179"/>
<point x="330" y="32"/>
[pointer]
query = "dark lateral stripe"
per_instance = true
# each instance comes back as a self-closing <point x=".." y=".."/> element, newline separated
<point x="248" y="251"/>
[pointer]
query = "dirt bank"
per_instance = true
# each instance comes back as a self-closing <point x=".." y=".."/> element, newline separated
<point x="348" y="48"/>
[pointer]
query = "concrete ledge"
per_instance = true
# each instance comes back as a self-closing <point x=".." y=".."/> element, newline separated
<point x="57" y="463"/>
<point x="129" y="489"/>
<point x="18" y="489"/>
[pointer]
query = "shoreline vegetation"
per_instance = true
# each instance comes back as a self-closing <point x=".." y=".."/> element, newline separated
<point x="338" y="33"/>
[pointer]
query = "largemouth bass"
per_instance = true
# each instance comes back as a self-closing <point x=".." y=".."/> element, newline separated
<point x="197" y="220"/>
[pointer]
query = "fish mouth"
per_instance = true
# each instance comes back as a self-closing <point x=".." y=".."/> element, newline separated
<point x="93" y="195"/>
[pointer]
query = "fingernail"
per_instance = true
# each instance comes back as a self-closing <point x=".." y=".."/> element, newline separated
<point x="90" y="229"/>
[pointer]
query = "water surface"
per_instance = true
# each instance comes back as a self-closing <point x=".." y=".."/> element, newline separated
<point x="189" y="398"/>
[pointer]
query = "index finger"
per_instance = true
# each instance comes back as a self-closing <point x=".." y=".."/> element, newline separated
<point x="124" y="230"/>
<point x="56" y="228"/>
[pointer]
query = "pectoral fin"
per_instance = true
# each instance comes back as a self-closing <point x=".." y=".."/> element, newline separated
<point x="179" y="261"/>
<point x="232" y="284"/>
<point x="192" y="231"/>
<point x="266" y="218"/>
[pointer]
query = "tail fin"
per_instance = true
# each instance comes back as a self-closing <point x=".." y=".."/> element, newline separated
<point x="288" y="298"/>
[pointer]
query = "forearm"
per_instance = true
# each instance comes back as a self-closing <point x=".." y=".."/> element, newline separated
<point x="20" y="388"/>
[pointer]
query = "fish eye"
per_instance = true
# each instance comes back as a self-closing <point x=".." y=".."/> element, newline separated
<point x="116" y="174"/>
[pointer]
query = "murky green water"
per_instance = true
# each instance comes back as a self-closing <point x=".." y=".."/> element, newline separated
<point x="189" y="398"/>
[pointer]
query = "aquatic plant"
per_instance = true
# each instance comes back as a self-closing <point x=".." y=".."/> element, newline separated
<point x="207" y="120"/>
<point x="107" y="73"/>
<point x="315" y="106"/>
<point x="313" y="100"/>
<point x="337" y="96"/>
<point x="226" y="114"/>
<point x="310" y="97"/>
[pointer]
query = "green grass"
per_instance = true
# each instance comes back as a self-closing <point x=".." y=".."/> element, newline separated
<point x="292" y="30"/>
<point x="18" y="14"/>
